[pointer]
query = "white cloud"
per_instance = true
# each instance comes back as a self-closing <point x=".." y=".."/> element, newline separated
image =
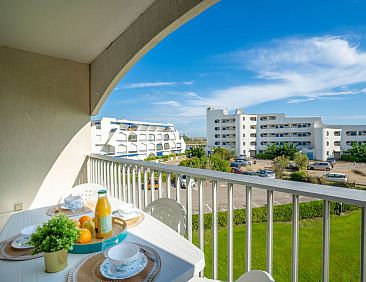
<point x="167" y="103"/>
<point x="311" y="68"/>
<point x="153" y="84"/>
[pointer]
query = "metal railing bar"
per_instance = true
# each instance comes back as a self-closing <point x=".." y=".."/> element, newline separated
<point x="324" y="192"/>
<point x="295" y="237"/>
<point x="248" y="243"/>
<point x="189" y="208"/>
<point x="201" y="220"/>
<point x="269" y="239"/>
<point x="326" y="241"/>
<point x="230" y="231"/>
<point x="139" y="187"/>
<point x="214" y="231"/>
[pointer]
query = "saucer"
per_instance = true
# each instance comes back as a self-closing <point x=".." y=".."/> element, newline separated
<point x="133" y="213"/>
<point x="21" y="243"/>
<point x="64" y="207"/>
<point x="123" y="273"/>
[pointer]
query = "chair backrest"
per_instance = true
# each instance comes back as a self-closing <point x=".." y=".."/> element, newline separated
<point x="256" y="276"/>
<point x="87" y="191"/>
<point x="169" y="212"/>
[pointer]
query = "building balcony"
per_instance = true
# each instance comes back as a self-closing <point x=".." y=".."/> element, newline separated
<point x="207" y="179"/>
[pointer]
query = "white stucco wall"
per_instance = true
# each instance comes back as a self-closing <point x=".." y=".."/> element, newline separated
<point x="44" y="110"/>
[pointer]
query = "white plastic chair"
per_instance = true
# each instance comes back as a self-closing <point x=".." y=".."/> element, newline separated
<point x="87" y="191"/>
<point x="169" y="212"/>
<point x="256" y="276"/>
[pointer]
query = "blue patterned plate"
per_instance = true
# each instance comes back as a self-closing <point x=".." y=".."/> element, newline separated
<point x="21" y="243"/>
<point x="111" y="272"/>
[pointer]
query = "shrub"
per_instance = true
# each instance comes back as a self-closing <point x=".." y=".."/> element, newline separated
<point x="282" y="213"/>
<point x="280" y="164"/>
<point x="299" y="176"/>
<point x="263" y="156"/>
<point x="59" y="233"/>
<point x="348" y="158"/>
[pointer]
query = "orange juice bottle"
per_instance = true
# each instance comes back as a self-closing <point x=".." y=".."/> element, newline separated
<point x="103" y="216"/>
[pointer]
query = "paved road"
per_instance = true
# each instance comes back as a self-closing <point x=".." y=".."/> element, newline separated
<point x="259" y="197"/>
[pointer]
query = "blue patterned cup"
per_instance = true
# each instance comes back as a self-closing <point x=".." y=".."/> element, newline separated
<point x="123" y="256"/>
<point x="73" y="202"/>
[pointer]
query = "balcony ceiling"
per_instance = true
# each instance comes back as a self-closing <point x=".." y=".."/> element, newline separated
<point x="77" y="30"/>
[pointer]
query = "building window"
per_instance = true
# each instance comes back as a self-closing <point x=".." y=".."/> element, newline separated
<point x="253" y="118"/>
<point x="327" y="143"/>
<point x="253" y="143"/>
<point x="243" y="143"/>
<point x="217" y="135"/>
<point x="132" y="138"/>
<point x="337" y="143"/>
<point x="243" y="126"/>
<point x="217" y="128"/>
<point x="243" y="134"/>
<point x="243" y="118"/>
<point x="159" y="147"/>
<point x="327" y="153"/>
<point x="217" y="121"/>
<point x="217" y="143"/>
<point x="337" y="133"/>
<point x="327" y="133"/>
<point x="264" y="118"/>
<point x="253" y="135"/>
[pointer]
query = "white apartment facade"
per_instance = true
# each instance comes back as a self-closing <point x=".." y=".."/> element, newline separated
<point x="248" y="134"/>
<point x="135" y="139"/>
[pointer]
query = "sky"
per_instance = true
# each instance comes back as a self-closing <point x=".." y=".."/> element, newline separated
<point x="301" y="58"/>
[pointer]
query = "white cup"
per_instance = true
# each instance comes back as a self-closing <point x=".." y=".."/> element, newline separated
<point x="123" y="255"/>
<point x="73" y="202"/>
<point x="27" y="232"/>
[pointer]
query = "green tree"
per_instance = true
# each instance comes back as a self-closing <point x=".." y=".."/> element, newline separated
<point x="218" y="163"/>
<point x="357" y="152"/>
<point x="287" y="150"/>
<point x="196" y="151"/>
<point x="196" y="162"/>
<point x="223" y="153"/>
<point x="280" y="164"/>
<point x="301" y="160"/>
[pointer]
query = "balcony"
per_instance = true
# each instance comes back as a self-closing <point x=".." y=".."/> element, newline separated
<point x="113" y="173"/>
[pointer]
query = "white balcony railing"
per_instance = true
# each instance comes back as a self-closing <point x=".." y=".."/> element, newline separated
<point x="126" y="178"/>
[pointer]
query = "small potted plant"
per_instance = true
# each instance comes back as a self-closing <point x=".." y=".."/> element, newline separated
<point x="55" y="238"/>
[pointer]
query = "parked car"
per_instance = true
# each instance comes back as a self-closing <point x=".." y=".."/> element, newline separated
<point x="243" y="162"/>
<point x="292" y="165"/>
<point x="266" y="173"/>
<point x="156" y="184"/>
<point x="183" y="182"/>
<point x="252" y="173"/>
<point x="336" y="177"/>
<point x="331" y="160"/>
<point x="236" y="170"/>
<point x="236" y="164"/>
<point x="320" y="166"/>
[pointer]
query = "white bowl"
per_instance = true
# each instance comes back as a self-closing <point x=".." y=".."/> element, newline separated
<point x="27" y="232"/>
<point x="73" y="202"/>
<point x="125" y="207"/>
<point x="123" y="255"/>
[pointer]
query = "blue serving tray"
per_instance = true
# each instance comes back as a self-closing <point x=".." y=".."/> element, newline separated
<point x="119" y="232"/>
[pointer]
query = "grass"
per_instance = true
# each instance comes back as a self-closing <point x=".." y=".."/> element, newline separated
<point x="344" y="249"/>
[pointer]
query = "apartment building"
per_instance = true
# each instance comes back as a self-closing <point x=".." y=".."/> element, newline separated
<point x="134" y="139"/>
<point x="248" y="134"/>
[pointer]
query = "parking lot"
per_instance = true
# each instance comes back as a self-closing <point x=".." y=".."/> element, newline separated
<point x="355" y="173"/>
<point x="259" y="197"/>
